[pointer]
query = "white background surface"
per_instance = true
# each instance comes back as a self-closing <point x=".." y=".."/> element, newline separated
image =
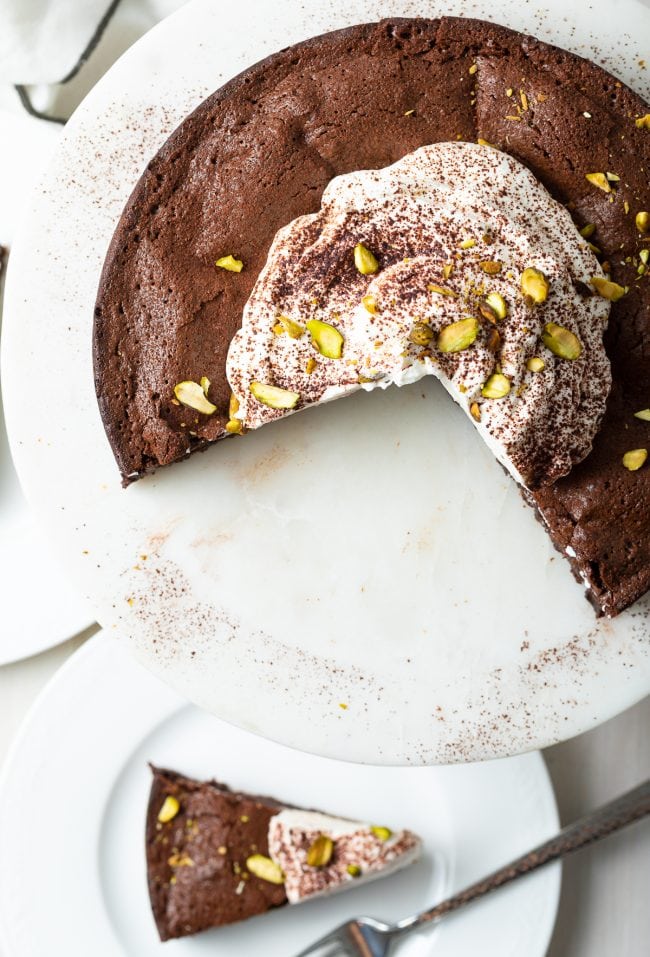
<point x="603" y="909"/>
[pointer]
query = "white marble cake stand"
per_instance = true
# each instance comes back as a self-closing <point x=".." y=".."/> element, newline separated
<point x="361" y="581"/>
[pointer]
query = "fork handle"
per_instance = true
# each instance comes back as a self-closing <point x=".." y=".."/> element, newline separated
<point x="605" y="820"/>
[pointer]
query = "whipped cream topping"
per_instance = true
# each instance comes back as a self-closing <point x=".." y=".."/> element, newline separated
<point x="432" y="219"/>
<point x="292" y="832"/>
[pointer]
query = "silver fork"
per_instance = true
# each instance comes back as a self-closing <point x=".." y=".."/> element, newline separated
<point x="365" y="937"/>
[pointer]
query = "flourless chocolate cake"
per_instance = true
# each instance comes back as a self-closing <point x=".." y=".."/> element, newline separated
<point x="260" y="151"/>
<point x="216" y="856"/>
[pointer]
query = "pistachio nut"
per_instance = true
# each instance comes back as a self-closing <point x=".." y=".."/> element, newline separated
<point x="562" y="342"/>
<point x="534" y="285"/>
<point x="634" y="459"/>
<point x="191" y="395"/>
<point x="230" y="264"/>
<point x="320" y="852"/>
<point x="599" y="180"/>
<point x="365" y="261"/>
<point x="264" y="868"/>
<point x="383" y="833"/>
<point x="458" y="335"/>
<point x="496" y="387"/>
<point x="170" y="808"/>
<point x="292" y="329"/>
<point x="535" y="364"/>
<point x="326" y="338"/>
<point x="490" y="267"/>
<point x="608" y="289"/>
<point x="273" y="396"/>
<point x="420" y="334"/>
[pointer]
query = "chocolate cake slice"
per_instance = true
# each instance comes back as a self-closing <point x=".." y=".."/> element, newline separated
<point x="216" y="856"/>
<point x="260" y="151"/>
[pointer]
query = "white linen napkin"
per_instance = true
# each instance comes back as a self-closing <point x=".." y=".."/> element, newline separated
<point x="41" y="40"/>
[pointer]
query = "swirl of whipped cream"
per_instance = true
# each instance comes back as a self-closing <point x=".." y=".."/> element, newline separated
<point x="449" y="225"/>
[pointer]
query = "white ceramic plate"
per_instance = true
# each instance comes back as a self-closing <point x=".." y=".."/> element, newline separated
<point x="368" y="554"/>
<point x="72" y="809"/>
<point x="29" y="565"/>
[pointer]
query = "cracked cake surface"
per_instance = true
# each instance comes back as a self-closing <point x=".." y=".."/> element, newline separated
<point x="259" y="153"/>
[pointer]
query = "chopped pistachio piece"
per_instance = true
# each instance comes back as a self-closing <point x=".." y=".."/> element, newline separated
<point x="634" y="459"/>
<point x="490" y="267"/>
<point x="420" y="334"/>
<point x="170" y="808"/>
<point x="383" y="833"/>
<point x="364" y="260"/>
<point x="191" y="395"/>
<point x="264" y="868"/>
<point x="562" y="342"/>
<point x="496" y="387"/>
<point x="458" y="335"/>
<point x="311" y="365"/>
<point x="320" y="852"/>
<point x="588" y="230"/>
<point x="326" y="338"/>
<point x="643" y="122"/>
<point x="475" y="411"/>
<point x="643" y="414"/>
<point x="535" y="364"/>
<point x="230" y="264"/>
<point x="607" y="289"/>
<point x="370" y="304"/>
<point x="292" y="329"/>
<point x="644" y="256"/>
<point x="487" y="311"/>
<point x="233" y="406"/>
<point x="274" y="396"/>
<point x="447" y="270"/>
<point x="613" y="178"/>
<point x="442" y="290"/>
<point x="468" y="243"/>
<point x="599" y="180"/>
<point x="353" y="870"/>
<point x="642" y="221"/>
<point x="497" y="304"/>
<point x="234" y="426"/>
<point x="482" y="142"/>
<point x="205" y="384"/>
<point x="534" y="285"/>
